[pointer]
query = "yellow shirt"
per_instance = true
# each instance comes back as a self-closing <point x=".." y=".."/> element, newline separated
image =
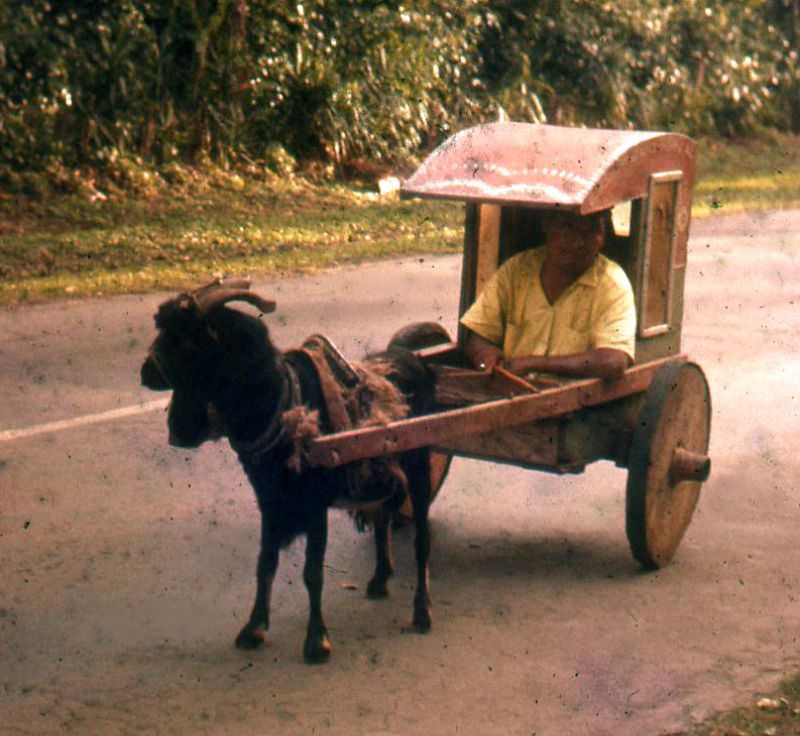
<point x="595" y="311"/>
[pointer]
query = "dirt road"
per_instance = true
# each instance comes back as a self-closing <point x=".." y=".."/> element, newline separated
<point x="127" y="566"/>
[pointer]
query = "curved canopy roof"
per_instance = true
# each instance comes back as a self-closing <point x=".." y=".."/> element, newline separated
<point x="583" y="169"/>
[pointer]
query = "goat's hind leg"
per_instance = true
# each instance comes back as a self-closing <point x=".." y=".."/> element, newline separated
<point x="384" y="568"/>
<point x="317" y="647"/>
<point x="420" y="488"/>
<point x="254" y="631"/>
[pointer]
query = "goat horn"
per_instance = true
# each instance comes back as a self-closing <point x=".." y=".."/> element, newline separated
<point x="220" y="292"/>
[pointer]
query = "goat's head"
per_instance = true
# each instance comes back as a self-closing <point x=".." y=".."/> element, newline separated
<point x="203" y="351"/>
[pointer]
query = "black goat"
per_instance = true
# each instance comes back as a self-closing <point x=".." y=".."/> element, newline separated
<point x="228" y="379"/>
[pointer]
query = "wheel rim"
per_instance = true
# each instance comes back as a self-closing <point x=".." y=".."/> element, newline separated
<point x="668" y="462"/>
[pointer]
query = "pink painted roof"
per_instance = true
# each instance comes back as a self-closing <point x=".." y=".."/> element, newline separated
<point x="585" y="169"/>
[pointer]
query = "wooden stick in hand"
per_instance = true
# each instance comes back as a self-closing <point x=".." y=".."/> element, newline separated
<point x="515" y="379"/>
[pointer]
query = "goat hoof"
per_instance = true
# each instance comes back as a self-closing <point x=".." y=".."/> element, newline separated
<point x="422" y="620"/>
<point x="377" y="589"/>
<point x="317" y="651"/>
<point x="251" y="638"/>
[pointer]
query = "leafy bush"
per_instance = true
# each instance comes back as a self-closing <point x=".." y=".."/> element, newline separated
<point x="341" y="79"/>
<point x="694" y="66"/>
<point x="73" y="79"/>
<point x="85" y="83"/>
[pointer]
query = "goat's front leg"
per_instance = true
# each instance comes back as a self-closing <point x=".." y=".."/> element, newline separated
<point x="384" y="569"/>
<point x="420" y="487"/>
<point x="317" y="647"/>
<point x="254" y="631"/>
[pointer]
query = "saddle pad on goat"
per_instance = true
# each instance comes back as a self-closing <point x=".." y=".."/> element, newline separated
<point x="337" y="379"/>
<point x="355" y="396"/>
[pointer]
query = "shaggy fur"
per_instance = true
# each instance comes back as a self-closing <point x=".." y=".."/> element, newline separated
<point x="228" y="378"/>
<point x="379" y="401"/>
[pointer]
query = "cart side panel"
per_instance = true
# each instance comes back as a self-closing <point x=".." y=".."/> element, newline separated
<point x="482" y="233"/>
<point x="658" y="270"/>
<point x="533" y="444"/>
<point x="562" y="445"/>
<point x="488" y="244"/>
<point x="469" y="263"/>
<point x="669" y="342"/>
<point x="599" y="433"/>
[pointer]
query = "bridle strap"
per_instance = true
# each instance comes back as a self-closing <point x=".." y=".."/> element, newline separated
<point x="254" y="450"/>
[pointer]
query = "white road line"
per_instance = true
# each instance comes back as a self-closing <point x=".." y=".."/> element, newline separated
<point x="7" y="435"/>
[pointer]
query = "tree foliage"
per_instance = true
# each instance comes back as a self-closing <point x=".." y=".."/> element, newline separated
<point x="151" y="81"/>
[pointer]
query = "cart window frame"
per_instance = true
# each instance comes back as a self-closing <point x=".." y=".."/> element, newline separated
<point x="658" y="261"/>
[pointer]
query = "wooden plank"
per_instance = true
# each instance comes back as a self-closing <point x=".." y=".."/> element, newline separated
<point x="463" y="386"/>
<point x="534" y="443"/>
<point x="488" y="245"/>
<point x="438" y="353"/>
<point x="432" y="429"/>
<point x="659" y="252"/>
<point x="469" y="265"/>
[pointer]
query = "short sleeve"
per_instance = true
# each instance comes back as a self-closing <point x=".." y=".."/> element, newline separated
<point x="614" y="323"/>
<point x="487" y="315"/>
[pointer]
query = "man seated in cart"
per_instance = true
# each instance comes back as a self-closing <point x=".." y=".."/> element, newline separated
<point x="560" y="309"/>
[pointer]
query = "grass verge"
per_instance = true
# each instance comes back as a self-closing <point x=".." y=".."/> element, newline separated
<point x="775" y="715"/>
<point x="748" y="175"/>
<point x="82" y="244"/>
<point x="172" y="229"/>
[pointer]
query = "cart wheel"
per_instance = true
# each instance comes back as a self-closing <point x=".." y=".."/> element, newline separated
<point x="668" y="462"/>
<point x="419" y="335"/>
<point x="440" y="464"/>
<point x="416" y="336"/>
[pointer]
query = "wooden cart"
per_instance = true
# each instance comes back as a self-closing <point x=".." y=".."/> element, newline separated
<point x="655" y="420"/>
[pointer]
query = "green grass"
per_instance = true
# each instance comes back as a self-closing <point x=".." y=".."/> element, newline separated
<point x="751" y="175"/>
<point x="171" y="235"/>
<point x="777" y="714"/>
<point x="71" y="245"/>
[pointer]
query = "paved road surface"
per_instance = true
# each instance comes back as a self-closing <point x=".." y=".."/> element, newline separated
<point x="127" y="566"/>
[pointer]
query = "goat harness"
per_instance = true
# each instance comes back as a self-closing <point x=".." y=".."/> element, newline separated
<point x="252" y="451"/>
<point x="349" y="397"/>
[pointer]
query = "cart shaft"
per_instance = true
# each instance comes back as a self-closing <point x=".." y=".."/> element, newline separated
<point x="436" y="428"/>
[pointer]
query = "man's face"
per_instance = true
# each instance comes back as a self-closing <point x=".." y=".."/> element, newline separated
<point x="572" y="242"/>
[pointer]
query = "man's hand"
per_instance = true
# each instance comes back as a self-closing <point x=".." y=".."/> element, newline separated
<point x="483" y="354"/>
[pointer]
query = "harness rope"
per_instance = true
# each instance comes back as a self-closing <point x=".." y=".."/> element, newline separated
<point x="254" y="450"/>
